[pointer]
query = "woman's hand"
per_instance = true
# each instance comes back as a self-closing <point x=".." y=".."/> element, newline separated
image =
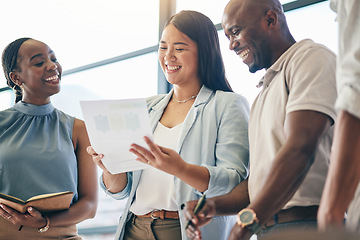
<point x="31" y="218"/>
<point x="169" y="161"/>
<point x="162" y="158"/>
<point x="113" y="182"/>
<point x="97" y="158"/>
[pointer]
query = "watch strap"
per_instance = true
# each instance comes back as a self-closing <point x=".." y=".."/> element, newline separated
<point x="254" y="227"/>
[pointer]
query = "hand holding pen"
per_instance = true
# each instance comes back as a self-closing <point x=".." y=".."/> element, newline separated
<point x="200" y="204"/>
<point x="198" y="217"/>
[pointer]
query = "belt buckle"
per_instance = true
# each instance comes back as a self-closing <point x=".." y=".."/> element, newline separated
<point x="152" y="216"/>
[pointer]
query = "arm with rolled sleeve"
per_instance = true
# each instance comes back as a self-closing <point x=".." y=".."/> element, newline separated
<point x="122" y="194"/>
<point x="348" y="61"/>
<point x="231" y="150"/>
<point x="345" y="158"/>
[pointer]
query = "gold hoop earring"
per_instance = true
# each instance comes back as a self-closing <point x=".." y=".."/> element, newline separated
<point x="17" y="92"/>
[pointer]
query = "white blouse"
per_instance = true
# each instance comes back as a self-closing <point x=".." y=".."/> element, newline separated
<point x="156" y="188"/>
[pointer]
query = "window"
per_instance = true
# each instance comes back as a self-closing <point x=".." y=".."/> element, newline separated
<point x="84" y="32"/>
<point x="133" y="78"/>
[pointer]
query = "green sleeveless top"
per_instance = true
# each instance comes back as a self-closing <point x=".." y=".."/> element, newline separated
<point x="36" y="151"/>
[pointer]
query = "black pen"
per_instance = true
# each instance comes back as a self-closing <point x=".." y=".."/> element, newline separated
<point x="200" y="204"/>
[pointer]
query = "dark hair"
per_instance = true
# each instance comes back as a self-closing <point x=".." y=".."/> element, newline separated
<point x="9" y="63"/>
<point x="202" y="31"/>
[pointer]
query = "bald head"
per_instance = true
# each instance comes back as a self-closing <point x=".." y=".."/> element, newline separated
<point x="257" y="31"/>
<point x="254" y="7"/>
<point x="272" y="4"/>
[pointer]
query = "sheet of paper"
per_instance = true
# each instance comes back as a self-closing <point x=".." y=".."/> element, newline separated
<point x="113" y="125"/>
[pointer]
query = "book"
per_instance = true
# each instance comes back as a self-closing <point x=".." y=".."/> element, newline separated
<point x="44" y="203"/>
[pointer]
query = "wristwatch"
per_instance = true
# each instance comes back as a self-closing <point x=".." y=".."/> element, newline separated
<point x="247" y="218"/>
<point x="46" y="227"/>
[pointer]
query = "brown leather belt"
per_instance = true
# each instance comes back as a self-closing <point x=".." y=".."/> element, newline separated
<point x="294" y="214"/>
<point x="161" y="214"/>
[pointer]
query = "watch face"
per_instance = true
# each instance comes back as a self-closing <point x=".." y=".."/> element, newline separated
<point x="246" y="217"/>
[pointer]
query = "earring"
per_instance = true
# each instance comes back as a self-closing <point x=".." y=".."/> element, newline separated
<point x="16" y="91"/>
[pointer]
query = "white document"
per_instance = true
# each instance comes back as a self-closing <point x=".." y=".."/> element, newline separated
<point x="113" y="125"/>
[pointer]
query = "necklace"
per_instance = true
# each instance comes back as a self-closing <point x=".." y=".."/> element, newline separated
<point x="175" y="100"/>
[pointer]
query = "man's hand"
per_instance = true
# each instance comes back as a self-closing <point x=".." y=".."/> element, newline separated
<point x="202" y="218"/>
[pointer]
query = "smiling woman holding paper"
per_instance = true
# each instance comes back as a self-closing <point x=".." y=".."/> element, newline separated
<point x="43" y="151"/>
<point x="200" y="138"/>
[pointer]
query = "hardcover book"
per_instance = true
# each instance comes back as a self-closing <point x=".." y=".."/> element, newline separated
<point x="44" y="203"/>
